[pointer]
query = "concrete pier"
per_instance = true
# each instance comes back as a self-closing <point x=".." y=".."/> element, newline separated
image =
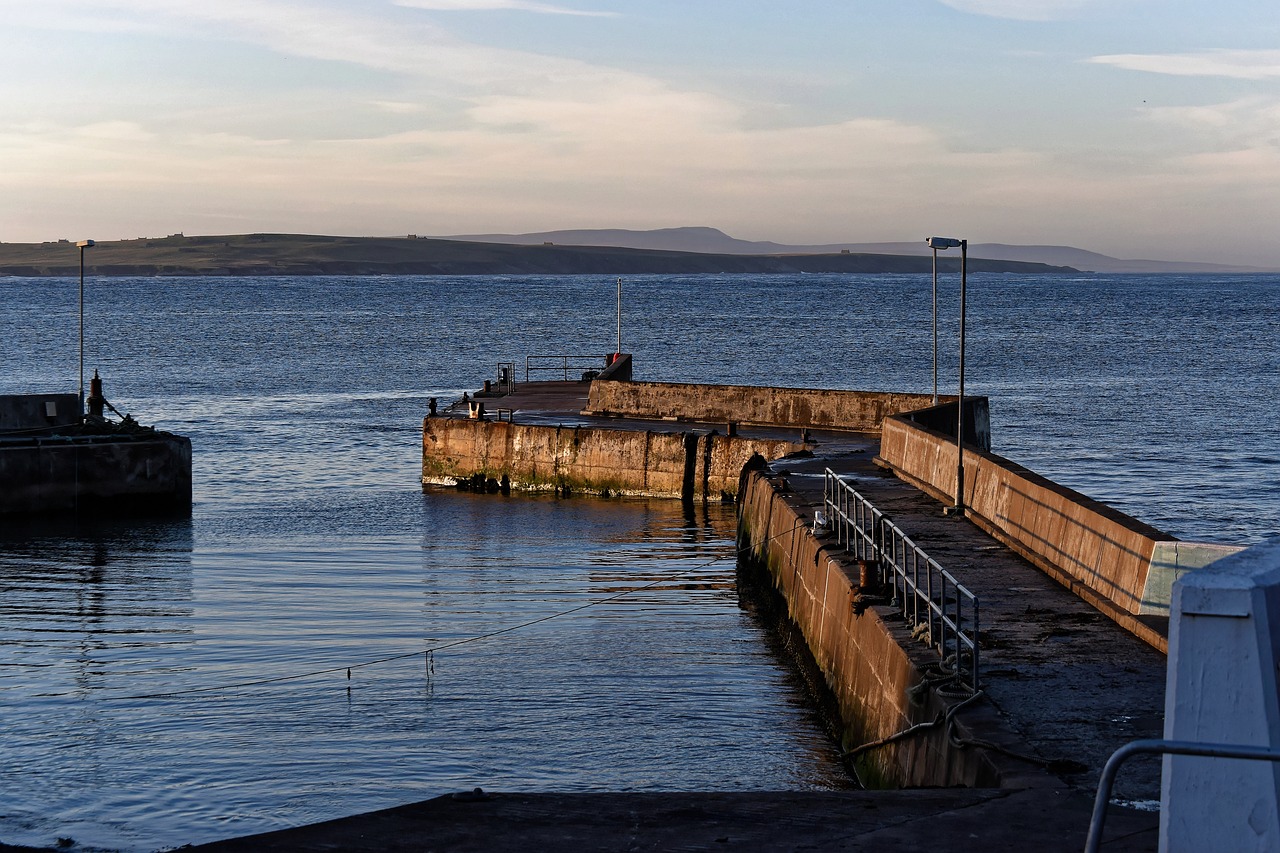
<point x="1063" y="686"/>
<point x="635" y="438"/>
<point x="52" y="462"/>
<point x="1075" y="685"/>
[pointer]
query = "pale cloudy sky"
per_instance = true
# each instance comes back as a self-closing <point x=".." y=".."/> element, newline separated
<point x="1138" y="128"/>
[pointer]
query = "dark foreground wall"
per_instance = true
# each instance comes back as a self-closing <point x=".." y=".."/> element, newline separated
<point x="97" y="474"/>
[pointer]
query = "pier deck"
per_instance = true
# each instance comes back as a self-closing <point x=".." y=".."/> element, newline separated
<point x="1066" y="680"/>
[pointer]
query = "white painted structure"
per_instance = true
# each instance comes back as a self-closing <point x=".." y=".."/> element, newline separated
<point x="1224" y="650"/>
<point x="1170" y="561"/>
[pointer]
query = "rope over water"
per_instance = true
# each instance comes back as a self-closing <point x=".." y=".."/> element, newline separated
<point x="430" y="651"/>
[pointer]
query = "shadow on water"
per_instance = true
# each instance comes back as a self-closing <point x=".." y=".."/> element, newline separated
<point x="786" y="642"/>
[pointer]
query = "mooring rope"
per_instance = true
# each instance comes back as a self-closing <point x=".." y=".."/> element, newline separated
<point x="429" y="652"/>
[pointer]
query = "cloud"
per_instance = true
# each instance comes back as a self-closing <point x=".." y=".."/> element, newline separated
<point x="398" y="107"/>
<point x="1025" y="10"/>
<point x="1237" y="64"/>
<point x="417" y="47"/>
<point x="498" y="5"/>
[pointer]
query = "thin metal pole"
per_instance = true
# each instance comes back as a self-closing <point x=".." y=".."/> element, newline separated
<point x="1159" y="747"/>
<point x="619" y="349"/>
<point x="82" y="331"/>
<point x="964" y="272"/>
<point x="935" y="327"/>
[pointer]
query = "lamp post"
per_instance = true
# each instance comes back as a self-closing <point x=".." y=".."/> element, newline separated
<point x="82" y="245"/>
<point x="618" y="351"/>
<point x="937" y="243"/>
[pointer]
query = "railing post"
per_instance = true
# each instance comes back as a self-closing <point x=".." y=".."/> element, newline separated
<point x="915" y="586"/>
<point x="977" y="634"/>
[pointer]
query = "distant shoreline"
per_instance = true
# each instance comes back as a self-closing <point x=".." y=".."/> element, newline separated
<point x="308" y="255"/>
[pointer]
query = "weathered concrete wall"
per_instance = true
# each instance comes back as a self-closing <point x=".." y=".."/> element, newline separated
<point x="1100" y="553"/>
<point x="619" y="369"/>
<point x="860" y="411"/>
<point x="695" y="465"/>
<point x="19" y="412"/>
<point x="58" y="475"/>
<point x="942" y="417"/>
<point x="863" y="657"/>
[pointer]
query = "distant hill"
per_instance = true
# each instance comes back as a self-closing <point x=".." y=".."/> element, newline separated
<point x="300" y="254"/>
<point x="699" y="239"/>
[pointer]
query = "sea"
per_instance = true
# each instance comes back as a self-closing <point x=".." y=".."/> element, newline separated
<point x="323" y="638"/>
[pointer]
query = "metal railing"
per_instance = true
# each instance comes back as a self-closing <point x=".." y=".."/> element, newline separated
<point x="562" y="364"/>
<point x="926" y="594"/>
<point x="1160" y="747"/>
<point x="506" y="383"/>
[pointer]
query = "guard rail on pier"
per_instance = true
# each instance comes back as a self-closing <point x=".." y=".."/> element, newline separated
<point x="563" y="364"/>
<point x="925" y="594"/>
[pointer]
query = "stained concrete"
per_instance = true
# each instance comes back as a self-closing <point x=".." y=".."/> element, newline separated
<point x="539" y="440"/>
<point x="751" y="404"/>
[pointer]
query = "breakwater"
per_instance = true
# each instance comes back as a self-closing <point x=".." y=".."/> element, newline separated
<point x="1120" y="565"/>
<point x="600" y="437"/>
<point x="797" y="408"/>
<point x="693" y="465"/>
<point x="908" y="706"/>
<point x="50" y="462"/>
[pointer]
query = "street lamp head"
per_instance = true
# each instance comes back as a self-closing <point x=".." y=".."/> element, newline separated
<point x="85" y="244"/>
<point x="943" y="243"/>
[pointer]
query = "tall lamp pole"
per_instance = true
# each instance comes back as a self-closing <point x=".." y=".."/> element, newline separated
<point x="82" y="245"/>
<point x="618" y="351"/>
<point x="944" y="243"/>
<point x="935" y="320"/>
<point x="958" y="509"/>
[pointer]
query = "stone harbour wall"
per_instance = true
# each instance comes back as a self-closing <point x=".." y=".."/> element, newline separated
<point x="858" y="411"/>
<point x="698" y="465"/>
<point x="1099" y="553"/>
<point x="55" y="475"/>
<point x="866" y="658"/>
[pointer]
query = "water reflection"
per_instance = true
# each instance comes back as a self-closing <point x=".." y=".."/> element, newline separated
<point x="84" y="601"/>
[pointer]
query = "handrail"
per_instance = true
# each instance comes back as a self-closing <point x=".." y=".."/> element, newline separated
<point x="507" y="377"/>
<point x="924" y="592"/>
<point x="1160" y="747"/>
<point x="564" y="363"/>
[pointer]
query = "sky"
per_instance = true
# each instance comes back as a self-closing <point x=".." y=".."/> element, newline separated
<point x="1136" y="128"/>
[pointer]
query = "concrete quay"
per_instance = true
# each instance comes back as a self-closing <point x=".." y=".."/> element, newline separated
<point x="54" y="460"/>
<point x="945" y="820"/>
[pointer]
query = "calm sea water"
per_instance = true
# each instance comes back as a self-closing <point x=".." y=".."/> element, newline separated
<point x="312" y="550"/>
